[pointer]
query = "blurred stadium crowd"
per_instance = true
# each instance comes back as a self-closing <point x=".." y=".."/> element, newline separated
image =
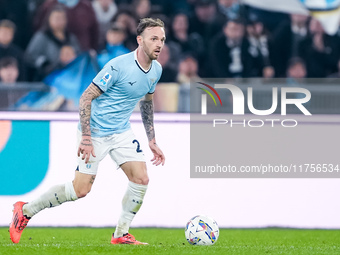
<point x="205" y="38"/>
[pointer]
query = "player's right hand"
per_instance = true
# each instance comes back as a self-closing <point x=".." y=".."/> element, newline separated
<point x="86" y="148"/>
<point x="158" y="156"/>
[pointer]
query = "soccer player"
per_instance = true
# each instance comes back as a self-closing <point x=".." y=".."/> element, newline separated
<point x="104" y="128"/>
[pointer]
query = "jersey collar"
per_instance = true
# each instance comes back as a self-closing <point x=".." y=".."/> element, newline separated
<point x="139" y="65"/>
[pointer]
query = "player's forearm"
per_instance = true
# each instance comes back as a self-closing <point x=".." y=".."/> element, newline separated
<point x="85" y="115"/>
<point x="85" y="108"/>
<point x="146" y="109"/>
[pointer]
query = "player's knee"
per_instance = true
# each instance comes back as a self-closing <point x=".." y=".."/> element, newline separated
<point x="144" y="180"/>
<point x="82" y="192"/>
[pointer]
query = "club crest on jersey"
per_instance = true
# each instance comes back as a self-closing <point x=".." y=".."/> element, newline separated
<point x="152" y="80"/>
<point x="104" y="80"/>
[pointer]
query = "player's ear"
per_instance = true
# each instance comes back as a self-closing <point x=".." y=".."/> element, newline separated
<point x="139" y="40"/>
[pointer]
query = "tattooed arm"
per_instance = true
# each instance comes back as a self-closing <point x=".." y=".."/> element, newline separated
<point x="146" y="109"/>
<point x="85" y="146"/>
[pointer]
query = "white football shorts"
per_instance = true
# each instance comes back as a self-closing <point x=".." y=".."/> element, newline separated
<point x="122" y="148"/>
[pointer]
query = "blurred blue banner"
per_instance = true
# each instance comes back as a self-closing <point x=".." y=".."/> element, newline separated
<point x="72" y="80"/>
<point x="67" y="83"/>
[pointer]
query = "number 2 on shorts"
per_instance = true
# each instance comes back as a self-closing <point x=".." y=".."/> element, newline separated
<point x="138" y="146"/>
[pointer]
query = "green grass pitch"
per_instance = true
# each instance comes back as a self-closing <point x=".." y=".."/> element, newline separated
<point x="83" y="241"/>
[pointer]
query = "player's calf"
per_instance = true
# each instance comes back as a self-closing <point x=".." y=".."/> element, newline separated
<point x="83" y="183"/>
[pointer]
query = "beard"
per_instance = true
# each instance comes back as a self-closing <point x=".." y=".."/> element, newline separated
<point x="150" y="53"/>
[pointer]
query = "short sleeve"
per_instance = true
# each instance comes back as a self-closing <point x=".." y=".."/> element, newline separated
<point x="153" y="87"/>
<point x="107" y="77"/>
<point x="159" y="74"/>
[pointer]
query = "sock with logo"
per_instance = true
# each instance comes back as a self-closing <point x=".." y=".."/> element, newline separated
<point x="131" y="204"/>
<point x="53" y="197"/>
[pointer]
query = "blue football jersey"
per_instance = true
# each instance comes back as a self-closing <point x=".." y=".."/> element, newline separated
<point x="123" y="82"/>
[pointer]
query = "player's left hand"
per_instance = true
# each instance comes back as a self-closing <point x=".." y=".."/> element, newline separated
<point x="158" y="156"/>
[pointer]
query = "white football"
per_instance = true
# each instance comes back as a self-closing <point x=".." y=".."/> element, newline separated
<point x="201" y="230"/>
